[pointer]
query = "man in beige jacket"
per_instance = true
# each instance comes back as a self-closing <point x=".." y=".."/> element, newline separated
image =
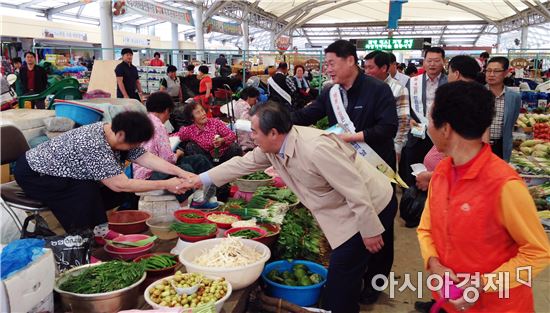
<point x="346" y="194"/>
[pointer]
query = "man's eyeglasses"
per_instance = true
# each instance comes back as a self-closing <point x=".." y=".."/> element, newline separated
<point x="491" y="71"/>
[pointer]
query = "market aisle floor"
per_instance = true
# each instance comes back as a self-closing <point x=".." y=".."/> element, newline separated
<point x="408" y="260"/>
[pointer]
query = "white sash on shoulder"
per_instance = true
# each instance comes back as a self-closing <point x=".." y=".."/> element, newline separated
<point x="416" y="87"/>
<point x="279" y="90"/>
<point x="362" y="148"/>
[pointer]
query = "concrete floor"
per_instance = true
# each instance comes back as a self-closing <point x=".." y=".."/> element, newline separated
<point x="408" y="260"/>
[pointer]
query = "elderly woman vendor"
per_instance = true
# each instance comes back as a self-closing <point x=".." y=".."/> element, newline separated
<point x="207" y="136"/>
<point x="65" y="172"/>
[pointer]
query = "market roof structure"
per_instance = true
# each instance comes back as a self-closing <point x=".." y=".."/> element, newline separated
<point x="316" y="22"/>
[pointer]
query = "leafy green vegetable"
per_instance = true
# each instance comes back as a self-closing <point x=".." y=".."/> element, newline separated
<point x="192" y="215"/>
<point x="106" y="277"/>
<point x="300" y="237"/>
<point x="193" y="229"/>
<point x="322" y="123"/>
<point x="246" y="234"/>
<point x="265" y="195"/>
<point x="259" y="175"/>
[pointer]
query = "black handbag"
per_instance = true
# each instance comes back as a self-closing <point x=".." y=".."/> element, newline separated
<point x="411" y="206"/>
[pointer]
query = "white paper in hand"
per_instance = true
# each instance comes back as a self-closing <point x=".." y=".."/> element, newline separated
<point x="174" y="142"/>
<point x="243" y="125"/>
<point x="418" y="168"/>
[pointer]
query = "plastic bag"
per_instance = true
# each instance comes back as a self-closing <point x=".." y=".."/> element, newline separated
<point x="18" y="254"/>
<point x="58" y="124"/>
<point x="411" y="206"/>
<point x="41" y="228"/>
<point x="71" y="250"/>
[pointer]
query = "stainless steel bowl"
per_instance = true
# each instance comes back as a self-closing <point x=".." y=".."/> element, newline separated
<point x="107" y="302"/>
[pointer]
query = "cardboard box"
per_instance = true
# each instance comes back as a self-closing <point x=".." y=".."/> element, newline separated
<point x="31" y="288"/>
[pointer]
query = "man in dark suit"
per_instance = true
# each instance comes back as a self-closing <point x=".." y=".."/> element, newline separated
<point x="34" y="79"/>
<point x="421" y="95"/>
<point x="370" y="105"/>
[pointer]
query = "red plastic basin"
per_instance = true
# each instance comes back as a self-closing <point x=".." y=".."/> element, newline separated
<point x="197" y="238"/>
<point x="222" y="225"/>
<point x="260" y="231"/>
<point x="180" y="215"/>
<point x="128" y="249"/>
<point x="128" y="222"/>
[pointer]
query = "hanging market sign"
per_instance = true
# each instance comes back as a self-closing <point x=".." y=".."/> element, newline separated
<point x="392" y="43"/>
<point x="65" y="34"/>
<point x="135" y="41"/>
<point x="282" y="43"/>
<point x="161" y="12"/>
<point x="519" y="63"/>
<point x="312" y="64"/>
<point x="228" y="28"/>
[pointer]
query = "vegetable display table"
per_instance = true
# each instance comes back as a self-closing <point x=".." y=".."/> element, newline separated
<point x="236" y="303"/>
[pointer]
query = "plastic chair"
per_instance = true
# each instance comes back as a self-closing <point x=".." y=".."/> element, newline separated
<point x="13" y="145"/>
<point x="67" y="89"/>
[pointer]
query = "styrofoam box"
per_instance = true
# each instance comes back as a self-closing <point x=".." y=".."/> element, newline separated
<point x="30" y="289"/>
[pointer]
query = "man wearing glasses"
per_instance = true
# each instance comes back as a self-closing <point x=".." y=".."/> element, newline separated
<point x="507" y="105"/>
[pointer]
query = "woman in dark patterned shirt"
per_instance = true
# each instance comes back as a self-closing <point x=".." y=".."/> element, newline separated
<point x="67" y="172"/>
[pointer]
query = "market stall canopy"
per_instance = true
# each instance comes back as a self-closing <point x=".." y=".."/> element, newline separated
<point x="322" y="21"/>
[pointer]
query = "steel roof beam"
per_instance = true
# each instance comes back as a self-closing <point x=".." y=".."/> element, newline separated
<point x="536" y="8"/>
<point x="13" y="6"/>
<point x="513" y="7"/>
<point x="28" y="4"/>
<point x="401" y="23"/>
<point x="65" y="7"/>
<point x="542" y="7"/>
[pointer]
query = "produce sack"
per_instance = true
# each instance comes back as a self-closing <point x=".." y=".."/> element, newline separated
<point x="411" y="206"/>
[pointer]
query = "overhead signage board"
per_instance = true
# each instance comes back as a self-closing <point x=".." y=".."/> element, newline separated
<point x="65" y="34"/>
<point x="135" y="41"/>
<point x="228" y="28"/>
<point x="520" y="63"/>
<point x="161" y="12"/>
<point x="392" y="43"/>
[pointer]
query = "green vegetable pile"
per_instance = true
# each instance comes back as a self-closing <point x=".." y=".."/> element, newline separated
<point x="106" y="277"/>
<point x="192" y="215"/>
<point x="193" y="229"/>
<point x="322" y="123"/>
<point x="299" y="276"/>
<point x="301" y="238"/>
<point x="266" y="195"/>
<point x="158" y="262"/>
<point x="259" y="175"/>
<point x="273" y="214"/>
<point x="539" y="194"/>
<point x="246" y="234"/>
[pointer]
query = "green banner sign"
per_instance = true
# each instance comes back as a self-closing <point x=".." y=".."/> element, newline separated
<point x="392" y="43"/>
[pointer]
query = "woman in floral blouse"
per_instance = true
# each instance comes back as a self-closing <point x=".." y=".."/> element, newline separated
<point x="208" y="136"/>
